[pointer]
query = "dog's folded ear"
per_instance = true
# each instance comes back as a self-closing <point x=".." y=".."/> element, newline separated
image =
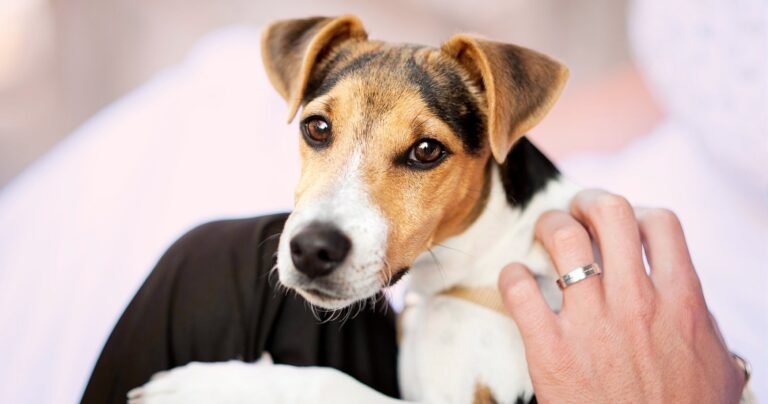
<point x="291" y="49"/>
<point x="520" y="86"/>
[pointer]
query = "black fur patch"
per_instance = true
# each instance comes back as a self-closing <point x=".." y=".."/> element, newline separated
<point x="323" y="83"/>
<point x="447" y="96"/>
<point x="322" y="70"/>
<point x="525" y="172"/>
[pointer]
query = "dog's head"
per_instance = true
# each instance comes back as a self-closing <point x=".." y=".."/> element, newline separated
<point x="397" y="143"/>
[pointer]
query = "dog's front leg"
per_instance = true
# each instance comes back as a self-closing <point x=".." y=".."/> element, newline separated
<point x="237" y="382"/>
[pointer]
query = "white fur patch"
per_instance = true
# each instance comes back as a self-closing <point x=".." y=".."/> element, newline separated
<point x="236" y="382"/>
<point x="348" y="206"/>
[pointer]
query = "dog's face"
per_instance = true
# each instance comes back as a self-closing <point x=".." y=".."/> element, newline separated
<point x="396" y="146"/>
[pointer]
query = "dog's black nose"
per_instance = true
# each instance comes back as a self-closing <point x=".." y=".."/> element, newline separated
<point x="318" y="249"/>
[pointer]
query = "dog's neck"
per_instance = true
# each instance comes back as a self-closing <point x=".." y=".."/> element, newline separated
<point x="501" y="234"/>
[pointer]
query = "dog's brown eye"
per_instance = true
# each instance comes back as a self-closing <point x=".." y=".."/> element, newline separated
<point x="316" y="130"/>
<point x="426" y="153"/>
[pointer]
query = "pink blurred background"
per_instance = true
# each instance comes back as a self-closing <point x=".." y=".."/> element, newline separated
<point x="124" y="123"/>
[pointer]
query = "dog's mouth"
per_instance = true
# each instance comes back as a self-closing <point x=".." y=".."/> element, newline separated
<point x="394" y="279"/>
<point x="321" y="294"/>
<point x="324" y="299"/>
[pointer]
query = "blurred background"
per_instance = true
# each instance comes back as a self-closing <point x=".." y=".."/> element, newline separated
<point x="124" y="123"/>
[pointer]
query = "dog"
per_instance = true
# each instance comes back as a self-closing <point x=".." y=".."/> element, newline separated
<point x="414" y="160"/>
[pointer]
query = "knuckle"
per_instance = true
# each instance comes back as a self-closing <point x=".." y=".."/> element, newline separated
<point x="519" y="288"/>
<point x="662" y="216"/>
<point x="689" y="305"/>
<point x="551" y="214"/>
<point x="567" y="236"/>
<point x="611" y="206"/>
<point x="691" y="319"/>
<point x="511" y="275"/>
<point x="514" y="269"/>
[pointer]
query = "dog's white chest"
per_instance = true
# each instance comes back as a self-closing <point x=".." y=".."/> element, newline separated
<point x="451" y="346"/>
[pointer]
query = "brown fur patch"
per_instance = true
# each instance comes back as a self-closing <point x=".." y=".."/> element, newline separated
<point x="483" y="395"/>
<point x="290" y="49"/>
<point x="521" y="85"/>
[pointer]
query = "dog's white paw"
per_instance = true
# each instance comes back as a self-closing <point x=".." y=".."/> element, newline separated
<point x="231" y="382"/>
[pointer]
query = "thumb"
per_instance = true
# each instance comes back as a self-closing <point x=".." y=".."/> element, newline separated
<point x="524" y="301"/>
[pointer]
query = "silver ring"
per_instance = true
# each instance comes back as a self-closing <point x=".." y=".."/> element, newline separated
<point x="578" y="275"/>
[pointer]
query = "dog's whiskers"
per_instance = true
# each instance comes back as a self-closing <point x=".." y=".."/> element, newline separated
<point x="271" y="276"/>
<point x="438" y="265"/>
<point x="453" y="249"/>
<point x="382" y="299"/>
<point x="388" y="272"/>
<point x="317" y="312"/>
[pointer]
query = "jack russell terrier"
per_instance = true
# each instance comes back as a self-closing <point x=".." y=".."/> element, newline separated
<point x="414" y="161"/>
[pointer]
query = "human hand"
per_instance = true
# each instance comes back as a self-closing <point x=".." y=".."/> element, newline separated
<point x="625" y="336"/>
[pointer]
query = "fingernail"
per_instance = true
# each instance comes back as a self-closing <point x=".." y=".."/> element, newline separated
<point x="504" y="278"/>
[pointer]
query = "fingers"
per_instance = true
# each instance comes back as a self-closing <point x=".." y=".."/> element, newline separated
<point x="667" y="252"/>
<point x="524" y="301"/>
<point x="611" y="220"/>
<point x="570" y="247"/>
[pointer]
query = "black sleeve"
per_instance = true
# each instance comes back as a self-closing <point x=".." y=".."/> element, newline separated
<point x="211" y="298"/>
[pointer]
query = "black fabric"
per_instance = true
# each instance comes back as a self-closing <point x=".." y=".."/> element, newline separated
<point x="211" y="298"/>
